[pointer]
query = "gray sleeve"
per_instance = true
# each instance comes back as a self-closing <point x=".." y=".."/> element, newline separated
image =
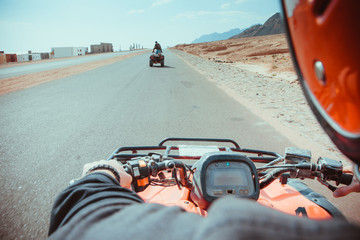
<point x="228" y="218"/>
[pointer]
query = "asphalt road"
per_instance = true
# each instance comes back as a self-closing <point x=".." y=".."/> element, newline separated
<point x="49" y="131"/>
<point x="39" y="66"/>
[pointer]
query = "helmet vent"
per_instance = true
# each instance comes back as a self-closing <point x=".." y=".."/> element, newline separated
<point x="320" y="6"/>
<point x="320" y="72"/>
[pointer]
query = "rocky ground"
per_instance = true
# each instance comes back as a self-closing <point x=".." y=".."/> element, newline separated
<point x="258" y="73"/>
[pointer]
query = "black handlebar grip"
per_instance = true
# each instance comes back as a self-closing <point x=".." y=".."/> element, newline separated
<point x="346" y="179"/>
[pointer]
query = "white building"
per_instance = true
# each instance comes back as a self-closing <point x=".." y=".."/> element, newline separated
<point x="35" y="56"/>
<point x="22" y="57"/>
<point x="59" y="52"/>
<point x="28" y="57"/>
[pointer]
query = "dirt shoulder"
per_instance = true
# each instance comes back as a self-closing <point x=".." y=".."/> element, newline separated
<point x="258" y="73"/>
<point x="12" y="84"/>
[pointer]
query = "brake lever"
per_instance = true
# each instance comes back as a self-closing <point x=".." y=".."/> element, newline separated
<point x="328" y="185"/>
<point x="176" y="179"/>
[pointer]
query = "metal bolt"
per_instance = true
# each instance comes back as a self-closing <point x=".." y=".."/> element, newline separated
<point x="320" y="71"/>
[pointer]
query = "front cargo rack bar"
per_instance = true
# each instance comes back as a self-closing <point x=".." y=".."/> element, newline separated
<point x="126" y="153"/>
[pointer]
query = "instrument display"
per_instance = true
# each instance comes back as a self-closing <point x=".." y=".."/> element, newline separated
<point x="230" y="177"/>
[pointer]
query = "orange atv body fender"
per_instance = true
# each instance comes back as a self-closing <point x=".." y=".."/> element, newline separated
<point x="171" y="196"/>
<point x="281" y="197"/>
<point x="287" y="199"/>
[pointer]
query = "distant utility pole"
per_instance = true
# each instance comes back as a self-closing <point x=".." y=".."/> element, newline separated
<point x="135" y="46"/>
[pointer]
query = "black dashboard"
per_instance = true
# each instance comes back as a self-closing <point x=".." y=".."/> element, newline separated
<point x="219" y="174"/>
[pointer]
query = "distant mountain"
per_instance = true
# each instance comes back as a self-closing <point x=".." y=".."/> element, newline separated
<point x="274" y="25"/>
<point x="217" y="36"/>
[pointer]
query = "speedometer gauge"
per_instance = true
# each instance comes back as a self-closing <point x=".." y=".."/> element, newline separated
<point x="219" y="174"/>
<point x="231" y="177"/>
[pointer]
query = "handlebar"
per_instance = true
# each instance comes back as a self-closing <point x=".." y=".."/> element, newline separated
<point x="325" y="170"/>
<point x="346" y="179"/>
<point x="142" y="169"/>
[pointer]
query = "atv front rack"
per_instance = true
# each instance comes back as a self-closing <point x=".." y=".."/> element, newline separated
<point x="124" y="154"/>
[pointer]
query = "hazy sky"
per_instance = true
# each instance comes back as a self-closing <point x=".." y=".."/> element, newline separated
<point x="38" y="25"/>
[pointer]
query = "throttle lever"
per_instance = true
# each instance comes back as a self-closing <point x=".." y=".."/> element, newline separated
<point x="344" y="179"/>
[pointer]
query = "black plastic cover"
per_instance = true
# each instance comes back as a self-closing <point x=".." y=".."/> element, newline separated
<point x="316" y="198"/>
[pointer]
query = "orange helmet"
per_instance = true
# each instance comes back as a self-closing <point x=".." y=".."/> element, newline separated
<point x="324" y="39"/>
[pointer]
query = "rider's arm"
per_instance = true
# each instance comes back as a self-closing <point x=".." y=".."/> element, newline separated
<point x="97" y="207"/>
<point x="228" y="218"/>
<point x="94" y="191"/>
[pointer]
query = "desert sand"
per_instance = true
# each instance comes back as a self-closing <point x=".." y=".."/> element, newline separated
<point x="268" y="55"/>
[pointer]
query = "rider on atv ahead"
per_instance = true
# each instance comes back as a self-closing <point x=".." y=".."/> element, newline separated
<point x="157" y="47"/>
<point x="323" y="37"/>
<point x="157" y="56"/>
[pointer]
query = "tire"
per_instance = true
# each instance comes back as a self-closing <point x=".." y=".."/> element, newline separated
<point x="151" y="63"/>
<point x="162" y="63"/>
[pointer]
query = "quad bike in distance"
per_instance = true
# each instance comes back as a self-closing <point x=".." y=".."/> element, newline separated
<point x="156" y="58"/>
